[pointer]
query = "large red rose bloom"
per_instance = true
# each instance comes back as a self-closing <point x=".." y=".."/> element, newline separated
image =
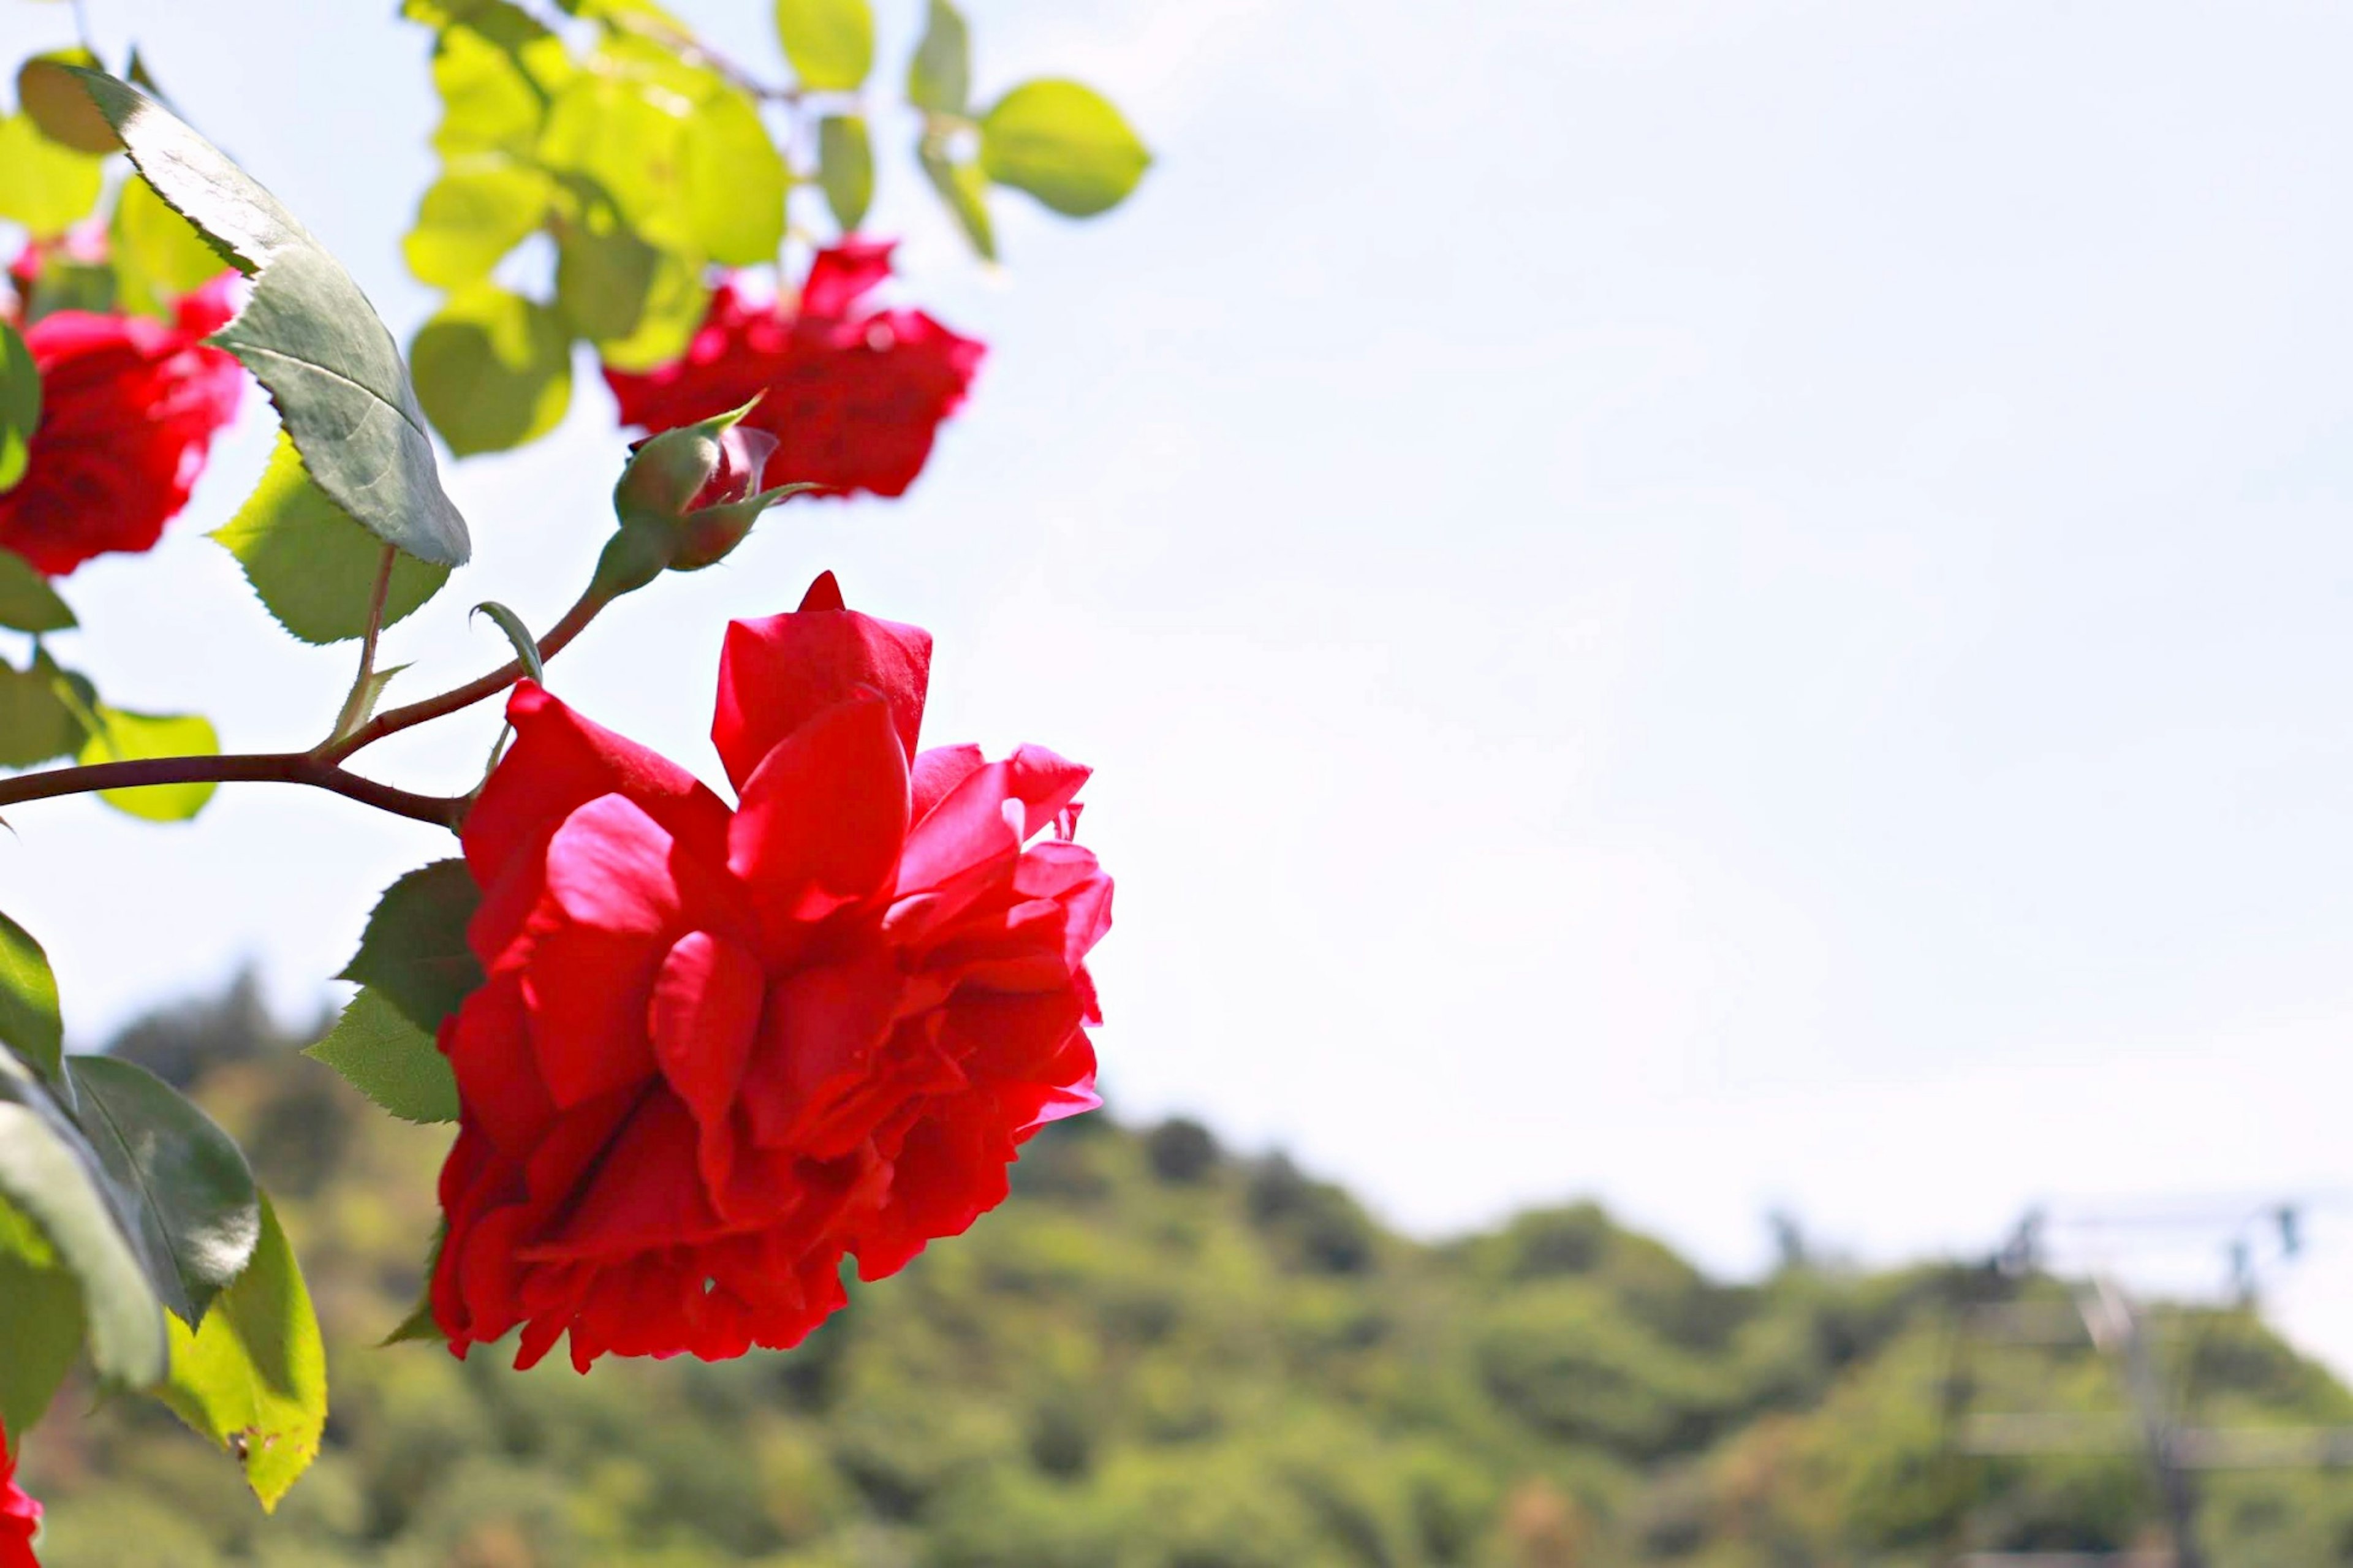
<point x="852" y="393"/>
<point x="128" y="409"/>
<point x="719" y="1051"/>
<point x="20" y="1516"/>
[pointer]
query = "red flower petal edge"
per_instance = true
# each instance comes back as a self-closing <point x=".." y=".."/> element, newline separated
<point x="20" y="1516"/>
<point x="853" y="394"/>
<point x="720" y="1051"/>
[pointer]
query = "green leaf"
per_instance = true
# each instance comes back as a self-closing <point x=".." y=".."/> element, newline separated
<point x="1064" y="144"/>
<point x="414" y="951"/>
<point x="471" y="218"/>
<point x="419" y="1326"/>
<point x="36" y="722"/>
<point x="53" y="1178"/>
<point x="964" y="190"/>
<point x="493" y="368"/>
<point x="624" y="134"/>
<point x="390" y="1059"/>
<point x="122" y="736"/>
<point x="62" y="111"/>
<point x="158" y="255"/>
<point x="845" y="167"/>
<point x="196" y="1198"/>
<point x="252" y="1376"/>
<point x="308" y="334"/>
<point x="27" y="602"/>
<point x="20" y="405"/>
<point x="733" y="181"/>
<point x="29" y="1020"/>
<point x="829" y="42"/>
<point x="939" y="78"/>
<point x="40" y="1322"/>
<point x="675" y="305"/>
<point x="603" y="278"/>
<point x="46" y="187"/>
<point x="314" y="567"/>
<point x="526" y="648"/>
<point x="497" y="70"/>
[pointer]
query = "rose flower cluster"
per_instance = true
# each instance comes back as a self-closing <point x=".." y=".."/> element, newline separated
<point x="720" y="1051"/>
<point x="128" y="409"/>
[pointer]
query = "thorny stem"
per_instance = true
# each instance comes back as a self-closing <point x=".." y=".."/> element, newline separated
<point x="355" y="705"/>
<point x="575" y="621"/>
<point x="259" y="767"/>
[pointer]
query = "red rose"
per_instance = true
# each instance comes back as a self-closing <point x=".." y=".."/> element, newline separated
<point x="851" y="394"/>
<point x="20" y="1516"/>
<point x="129" y="408"/>
<point x="717" y="1051"/>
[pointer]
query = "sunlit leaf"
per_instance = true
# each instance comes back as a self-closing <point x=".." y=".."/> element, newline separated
<point x="252" y="1375"/>
<point x="20" y="405"/>
<point x="29" y="1020"/>
<point x="390" y="1059"/>
<point x="40" y="1322"/>
<point x="52" y="1177"/>
<point x="158" y="255"/>
<point x="471" y="218"/>
<point x="733" y="181"/>
<point x="1065" y="144"/>
<point x="307" y="333"/>
<point x="845" y="162"/>
<point x="964" y="189"/>
<point x="314" y="567"/>
<point x="829" y="42"/>
<point x="493" y="368"/>
<point x="625" y="136"/>
<point x="675" y="306"/>
<point x="122" y="736"/>
<point x="496" y="69"/>
<point x="46" y="187"/>
<point x="195" y="1196"/>
<point x="414" y="951"/>
<point x="939" y="77"/>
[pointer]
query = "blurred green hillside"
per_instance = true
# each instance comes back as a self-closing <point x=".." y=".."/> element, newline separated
<point x="1163" y="1355"/>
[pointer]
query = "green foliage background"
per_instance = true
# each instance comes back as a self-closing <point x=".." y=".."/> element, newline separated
<point x="1161" y="1355"/>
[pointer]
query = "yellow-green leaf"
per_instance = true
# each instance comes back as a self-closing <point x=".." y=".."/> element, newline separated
<point x="1065" y="144"/>
<point x="845" y="164"/>
<point x="20" y="405"/>
<point x="964" y="189"/>
<point x="46" y="187"/>
<point x="252" y="1375"/>
<point x="314" y="567"/>
<point x="158" y="255"/>
<point x="675" y="306"/>
<point x="124" y="736"/>
<point x="29" y="1020"/>
<point x="390" y="1059"/>
<point x="939" y="77"/>
<point x="493" y="369"/>
<point x="829" y="42"/>
<point x="735" y="181"/>
<point x="471" y="218"/>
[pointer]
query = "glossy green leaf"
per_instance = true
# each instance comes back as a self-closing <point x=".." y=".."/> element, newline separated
<point x="20" y="405"/>
<point x="493" y="368"/>
<point x="46" y="187"/>
<point x="40" y="1322"/>
<point x="471" y="218"/>
<point x="733" y="181"/>
<point x="1065" y="144"/>
<point x="27" y="602"/>
<point x="158" y="255"/>
<point x="29" y="1020"/>
<point x="845" y="167"/>
<point x="51" y="1176"/>
<point x="61" y="110"/>
<point x="307" y="333"/>
<point x="122" y="736"/>
<point x="36" y="722"/>
<point x="964" y="189"/>
<point x="603" y="278"/>
<point x="675" y="306"/>
<point x="252" y="1375"/>
<point x="414" y="951"/>
<point x="314" y="567"/>
<point x="939" y="77"/>
<point x="829" y="42"/>
<point x="390" y="1059"/>
<point x="196" y="1197"/>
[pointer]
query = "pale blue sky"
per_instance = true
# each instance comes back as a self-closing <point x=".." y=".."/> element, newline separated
<point x="1717" y="605"/>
